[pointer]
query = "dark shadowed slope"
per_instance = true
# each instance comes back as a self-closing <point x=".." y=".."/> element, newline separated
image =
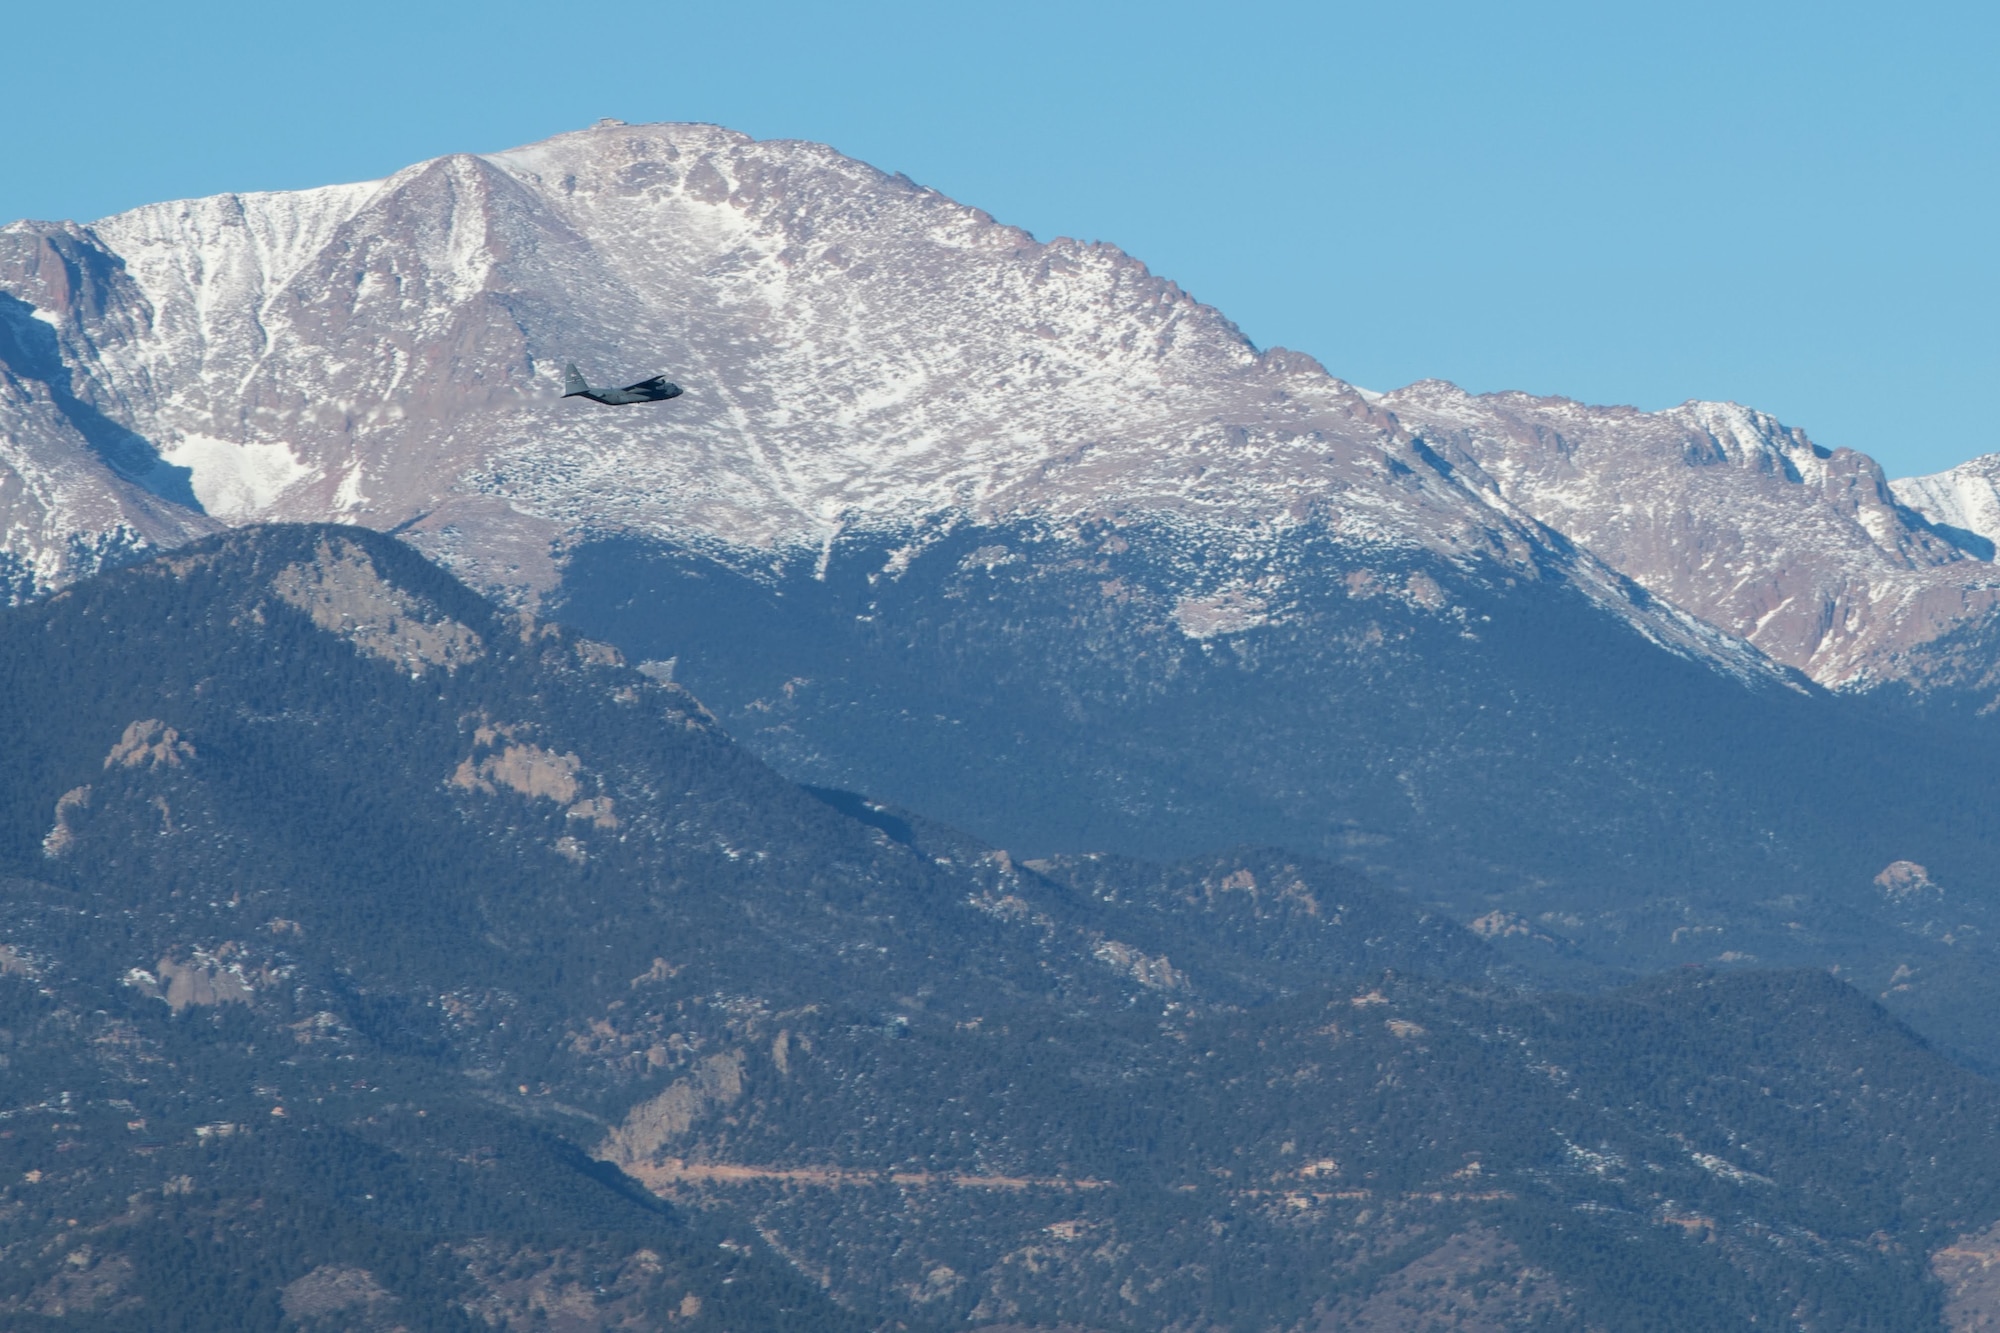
<point x="1497" y="745"/>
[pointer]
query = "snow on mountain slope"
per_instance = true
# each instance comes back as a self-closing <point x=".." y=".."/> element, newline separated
<point x="73" y="480"/>
<point x="860" y="353"/>
<point x="1811" y="555"/>
<point x="804" y="299"/>
<point x="1965" y="499"/>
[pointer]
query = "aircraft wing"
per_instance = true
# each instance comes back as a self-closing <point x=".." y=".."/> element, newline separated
<point x="657" y="382"/>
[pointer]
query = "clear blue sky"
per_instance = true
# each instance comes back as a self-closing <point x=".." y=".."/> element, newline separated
<point x="1788" y="204"/>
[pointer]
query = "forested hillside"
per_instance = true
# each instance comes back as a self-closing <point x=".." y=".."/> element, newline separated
<point x="372" y="958"/>
<point x="1499" y="748"/>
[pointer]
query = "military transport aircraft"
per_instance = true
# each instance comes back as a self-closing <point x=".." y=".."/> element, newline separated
<point x="654" y="390"/>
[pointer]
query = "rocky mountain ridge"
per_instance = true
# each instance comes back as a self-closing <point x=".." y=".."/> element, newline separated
<point x="387" y="353"/>
<point x="1965" y="498"/>
<point x="1812" y="555"/>
<point x="78" y="489"/>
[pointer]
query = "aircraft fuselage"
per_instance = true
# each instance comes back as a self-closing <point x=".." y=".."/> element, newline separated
<point x="655" y="390"/>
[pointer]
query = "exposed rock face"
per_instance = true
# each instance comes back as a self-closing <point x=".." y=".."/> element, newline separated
<point x="1905" y="879"/>
<point x="1969" y="1268"/>
<point x="344" y="593"/>
<point x="79" y="490"/>
<point x="527" y="769"/>
<point x="62" y="834"/>
<point x="198" y="978"/>
<point x="1811" y="555"/>
<point x="333" y="1289"/>
<point x="202" y="980"/>
<point x="149" y="743"/>
<point x="388" y="353"/>
<point x="655" y="1124"/>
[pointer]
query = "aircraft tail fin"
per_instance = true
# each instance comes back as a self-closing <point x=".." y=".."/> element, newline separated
<point x="574" y="382"/>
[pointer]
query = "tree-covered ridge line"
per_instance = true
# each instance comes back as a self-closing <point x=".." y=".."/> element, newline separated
<point x="1296" y="1092"/>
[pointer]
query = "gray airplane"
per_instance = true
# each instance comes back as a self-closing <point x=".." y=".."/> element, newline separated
<point x="654" y="390"/>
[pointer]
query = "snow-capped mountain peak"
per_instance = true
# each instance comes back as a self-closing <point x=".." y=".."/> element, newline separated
<point x="1964" y="500"/>
<point x="1807" y="553"/>
<point x="860" y="354"/>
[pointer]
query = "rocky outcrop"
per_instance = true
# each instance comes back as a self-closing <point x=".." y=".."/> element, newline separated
<point x="501" y="762"/>
<point x="1810" y="554"/>
<point x="80" y="490"/>
<point x="148" y="743"/>
<point x="656" y="1123"/>
<point x="1969" y="1268"/>
<point x="351" y="1294"/>
<point x="199" y="978"/>
<point x="1902" y="880"/>
<point x="345" y="594"/>
<point x="527" y="769"/>
<point x="62" y="834"/>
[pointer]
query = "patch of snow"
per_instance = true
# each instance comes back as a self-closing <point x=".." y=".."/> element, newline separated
<point x="1966" y="497"/>
<point x="236" y="482"/>
<point x="349" y="495"/>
